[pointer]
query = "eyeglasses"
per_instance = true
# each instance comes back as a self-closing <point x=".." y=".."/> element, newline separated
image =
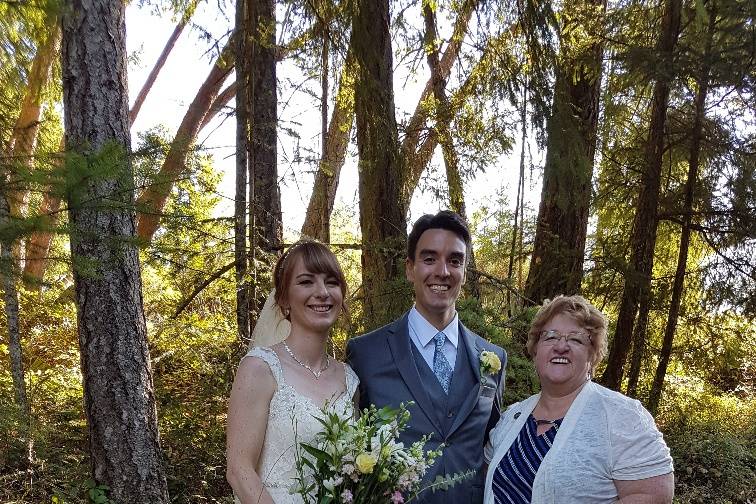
<point x="574" y="339"/>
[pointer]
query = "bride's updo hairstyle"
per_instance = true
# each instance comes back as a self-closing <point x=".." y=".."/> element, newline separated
<point x="317" y="258"/>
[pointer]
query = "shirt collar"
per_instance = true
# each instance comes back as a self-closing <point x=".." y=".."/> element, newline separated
<point x="425" y="331"/>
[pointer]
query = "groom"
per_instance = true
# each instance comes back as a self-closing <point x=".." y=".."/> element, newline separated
<point x="430" y="358"/>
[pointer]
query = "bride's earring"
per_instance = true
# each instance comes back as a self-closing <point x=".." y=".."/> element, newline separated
<point x="286" y="312"/>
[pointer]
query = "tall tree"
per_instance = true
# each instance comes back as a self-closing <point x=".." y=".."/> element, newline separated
<point x="643" y="239"/>
<point x="151" y="201"/>
<point x="382" y="217"/>
<point x="24" y="136"/>
<point x="265" y="228"/>
<point x="442" y="124"/>
<point x="13" y="194"/>
<point x="124" y="444"/>
<point x="10" y="298"/>
<point x="38" y="243"/>
<point x="687" y="213"/>
<point x="317" y="221"/>
<point x="152" y="77"/>
<point x="517" y="233"/>
<point x="242" y="169"/>
<point x="416" y="152"/>
<point x="556" y="266"/>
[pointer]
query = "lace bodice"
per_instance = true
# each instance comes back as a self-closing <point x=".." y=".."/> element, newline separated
<point x="291" y="421"/>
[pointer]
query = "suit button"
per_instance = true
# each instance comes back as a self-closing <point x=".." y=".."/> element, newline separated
<point x="450" y="414"/>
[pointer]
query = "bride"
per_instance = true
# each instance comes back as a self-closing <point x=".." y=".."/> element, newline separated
<point x="287" y="377"/>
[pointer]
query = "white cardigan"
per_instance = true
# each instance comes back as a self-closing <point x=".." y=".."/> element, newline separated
<point x="605" y="436"/>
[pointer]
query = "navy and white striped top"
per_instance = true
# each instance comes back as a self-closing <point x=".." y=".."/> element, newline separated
<point x="513" y="478"/>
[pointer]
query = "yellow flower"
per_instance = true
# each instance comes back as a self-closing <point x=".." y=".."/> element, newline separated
<point x="489" y="362"/>
<point x="365" y="462"/>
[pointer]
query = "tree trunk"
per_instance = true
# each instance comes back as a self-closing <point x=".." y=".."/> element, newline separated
<point x="38" y="244"/>
<point x="317" y="223"/>
<point x="137" y="106"/>
<point x="382" y="218"/>
<point x="516" y="227"/>
<point x="242" y="167"/>
<point x="12" y="318"/>
<point x="263" y="105"/>
<point x="324" y="55"/>
<point x="124" y="443"/>
<point x="556" y="266"/>
<point x="13" y="199"/>
<point x="415" y="154"/>
<point x="218" y="104"/>
<point x="643" y="240"/>
<point x="151" y="201"/>
<point x="690" y="186"/>
<point x="24" y="136"/>
<point x="443" y="120"/>
<point x="265" y="225"/>
<point x="639" y="345"/>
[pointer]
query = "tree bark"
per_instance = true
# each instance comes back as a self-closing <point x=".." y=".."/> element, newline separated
<point x="643" y="240"/>
<point x="124" y="443"/>
<point x="151" y="201"/>
<point x="443" y="120"/>
<point x="382" y="217"/>
<point x="242" y="167"/>
<point x="263" y="106"/>
<point x="10" y="296"/>
<point x="690" y="187"/>
<point x="317" y="223"/>
<point x="556" y="266"/>
<point x="639" y="344"/>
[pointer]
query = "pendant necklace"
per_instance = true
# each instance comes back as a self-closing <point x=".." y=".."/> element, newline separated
<point x="316" y="374"/>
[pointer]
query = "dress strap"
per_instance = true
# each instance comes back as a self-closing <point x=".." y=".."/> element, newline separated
<point x="352" y="381"/>
<point x="271" y="359"/>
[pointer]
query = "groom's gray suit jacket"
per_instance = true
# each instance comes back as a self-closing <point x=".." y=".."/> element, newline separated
<point x="392" y="371"/>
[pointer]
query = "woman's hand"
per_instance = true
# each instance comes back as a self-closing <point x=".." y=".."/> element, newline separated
<point x="248" y="409"/>
<point x="655" y="490"/>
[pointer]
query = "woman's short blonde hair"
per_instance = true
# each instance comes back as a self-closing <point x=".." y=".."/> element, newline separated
<point x="579" y="309"/>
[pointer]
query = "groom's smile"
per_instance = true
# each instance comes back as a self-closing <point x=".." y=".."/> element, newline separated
<point x="437" y="273"/>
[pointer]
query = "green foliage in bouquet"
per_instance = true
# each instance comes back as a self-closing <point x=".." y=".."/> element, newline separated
<point x="362" y="462"/>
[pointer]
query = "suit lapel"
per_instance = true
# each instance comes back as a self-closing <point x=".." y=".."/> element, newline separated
<point x="473" y="353"/>
<point x="399" y="343"/>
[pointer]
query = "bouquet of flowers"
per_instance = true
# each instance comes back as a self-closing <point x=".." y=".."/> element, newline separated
<point x="362" y="462"/>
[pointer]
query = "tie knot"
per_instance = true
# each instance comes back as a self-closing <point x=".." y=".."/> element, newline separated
<point x="440" y="339"/>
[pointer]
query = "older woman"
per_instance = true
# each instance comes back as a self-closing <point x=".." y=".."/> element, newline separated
<point x="575" y="442"/>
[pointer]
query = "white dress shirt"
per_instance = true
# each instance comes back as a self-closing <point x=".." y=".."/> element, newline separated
<point x="422" y="332"/>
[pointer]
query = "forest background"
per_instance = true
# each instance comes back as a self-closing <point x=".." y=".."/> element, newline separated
<point x="615" y="141"/>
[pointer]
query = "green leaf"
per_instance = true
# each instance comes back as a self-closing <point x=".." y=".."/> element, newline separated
<point x="320" y="455"/>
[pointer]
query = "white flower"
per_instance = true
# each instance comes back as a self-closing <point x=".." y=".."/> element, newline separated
<point x="332" y="483"/>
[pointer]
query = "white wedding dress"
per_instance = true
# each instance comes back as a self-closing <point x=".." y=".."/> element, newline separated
<point x="290" y="421"/>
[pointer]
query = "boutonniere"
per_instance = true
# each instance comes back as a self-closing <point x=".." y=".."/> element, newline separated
<point x="489" y="363"/>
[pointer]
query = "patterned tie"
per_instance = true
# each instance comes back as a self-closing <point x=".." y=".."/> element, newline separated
<point x="441" y="367"/>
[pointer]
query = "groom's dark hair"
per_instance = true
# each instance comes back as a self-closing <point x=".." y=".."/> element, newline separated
<point x="445" y="219"/>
